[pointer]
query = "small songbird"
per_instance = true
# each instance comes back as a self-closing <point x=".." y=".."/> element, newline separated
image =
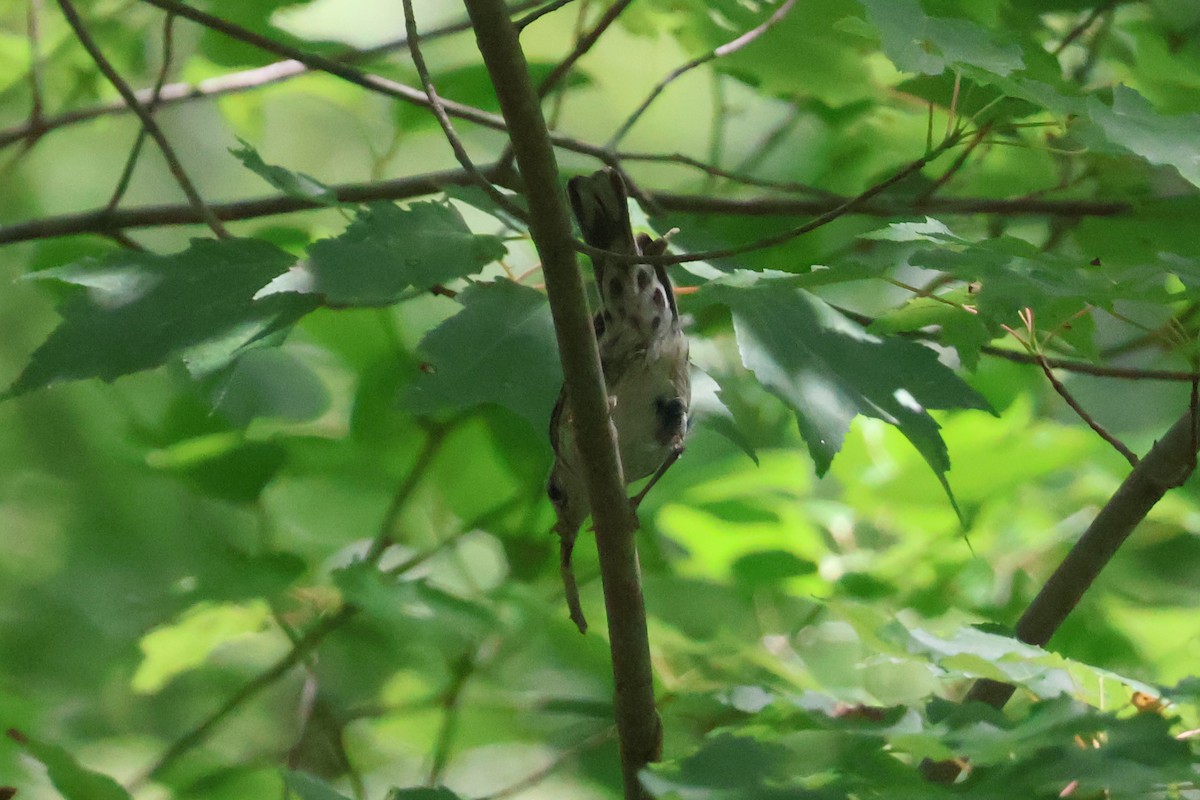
<point x="644" y="356"/>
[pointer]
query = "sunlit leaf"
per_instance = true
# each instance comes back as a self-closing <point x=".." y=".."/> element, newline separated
<point x="172" y="649"/>
<point x="828" y="371"/>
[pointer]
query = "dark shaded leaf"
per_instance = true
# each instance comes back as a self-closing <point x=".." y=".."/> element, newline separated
<point x="69" y="777"/>
<point x="139" y="310"/>
<point x="388" y="249"/>
<point x="499" y="349"/>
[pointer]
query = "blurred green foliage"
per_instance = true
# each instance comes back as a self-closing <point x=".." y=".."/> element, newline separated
<point x="297" y="540"/>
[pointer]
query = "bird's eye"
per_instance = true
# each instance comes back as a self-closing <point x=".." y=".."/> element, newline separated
<point x="554" y="492"/>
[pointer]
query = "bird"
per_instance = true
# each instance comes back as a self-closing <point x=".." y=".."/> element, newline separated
<point x="643" y="355"/>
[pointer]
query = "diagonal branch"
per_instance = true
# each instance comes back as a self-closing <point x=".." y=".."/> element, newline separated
<point x="718" y="52"/>
<point x="439" y="111"/>
<point x="1168" y="464"/>
<point x="155" y="97"/>
<point x="637" y="719"/>
<point x="229" y="83"/>
<point x="151" y="127"/>
<point x="1083" y="414"/>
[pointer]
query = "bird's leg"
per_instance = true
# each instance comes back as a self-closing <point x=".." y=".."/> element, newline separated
<point x="672" y="457"/>
<point x="570" y="588"/>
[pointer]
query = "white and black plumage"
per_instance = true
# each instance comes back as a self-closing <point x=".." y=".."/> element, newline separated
<point x="643" y="353"/>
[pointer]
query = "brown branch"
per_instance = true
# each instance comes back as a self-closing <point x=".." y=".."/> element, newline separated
<point x="1099" y="370"/>
<point x="721" y="51"/>
<point x="789" y="206"/>
<point x="535" y="15"/>
<point x="638" y="724"/>
<point x="151" y="127"/>
<point x="827" y="217"/>
<point x="439" y="112"/>
<point x="330" y="66"/>
<point x="1168" y="464"/>
<point x="107" y="222"/>
<point x="1082" y="413"/>
<point x="151" y="106"/>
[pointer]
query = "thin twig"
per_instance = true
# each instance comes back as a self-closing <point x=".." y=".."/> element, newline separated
<point x="1098" y="370"/>
<point x="439" y="112"/>
<point x="585" y="44"/>
<point x="173" y="163"/>
<point x="435" y="436"/>
<point x="241" y="81"/>
<point x="793" y="233"/>
<point x="1100" y="430"/>
<point x="560" y="98"/>
<point x="958" y="163"/>
<point x="533" y="16"/>
<point x="729" y="175"/>
<point x="536" y="777"/>
<point x="33" y="26"/>
<point x="772" y="140"/>
<point x="1079" y="29"/>
<point x="168" y="34"/>
<point x="720" y="51"/>
<point x="451" y="702"/>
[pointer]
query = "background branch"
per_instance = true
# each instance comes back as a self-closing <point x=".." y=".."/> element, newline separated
<point x="107" y="222"/>
<point x="637" y="719"/>
<point x="148" y="123"/>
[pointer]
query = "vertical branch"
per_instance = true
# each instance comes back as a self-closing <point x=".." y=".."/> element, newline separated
<point x="37" y="107"/>
<point x="127" y="94"/>
<point x="637" y="719"/>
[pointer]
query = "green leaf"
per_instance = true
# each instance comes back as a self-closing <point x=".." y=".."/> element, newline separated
<point x="293" y="184"/>
<point x="306" y="787"/>
<point x="140" y="310"/>
<point x="270" y="383"/>
<point x="1135" y="125"/>
<point x="828" y="370"/>
<point x="916" y="42"/>
<point x="770" y="566"/>
<point x="388" y="249"/>
<point x="499" y="349"/>
<point x="222" y="464"/>
<point x="178" y="647"/>
<point x="70" y="778"/>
